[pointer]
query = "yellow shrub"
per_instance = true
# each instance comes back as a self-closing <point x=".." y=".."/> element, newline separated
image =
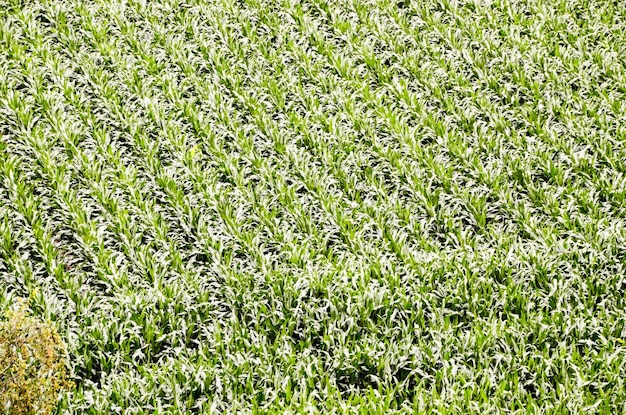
<point x="32" y="365"/>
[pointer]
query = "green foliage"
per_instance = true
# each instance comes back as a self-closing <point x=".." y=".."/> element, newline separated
<point x="356" y="206"/>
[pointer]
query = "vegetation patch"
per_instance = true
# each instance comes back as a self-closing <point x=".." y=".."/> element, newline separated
<point x="33" y="369"/>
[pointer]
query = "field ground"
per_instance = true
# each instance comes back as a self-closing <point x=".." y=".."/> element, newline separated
<point x="348" y="206"/>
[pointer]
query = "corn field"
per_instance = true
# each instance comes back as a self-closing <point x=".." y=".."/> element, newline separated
<point x="320" y="206"/>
